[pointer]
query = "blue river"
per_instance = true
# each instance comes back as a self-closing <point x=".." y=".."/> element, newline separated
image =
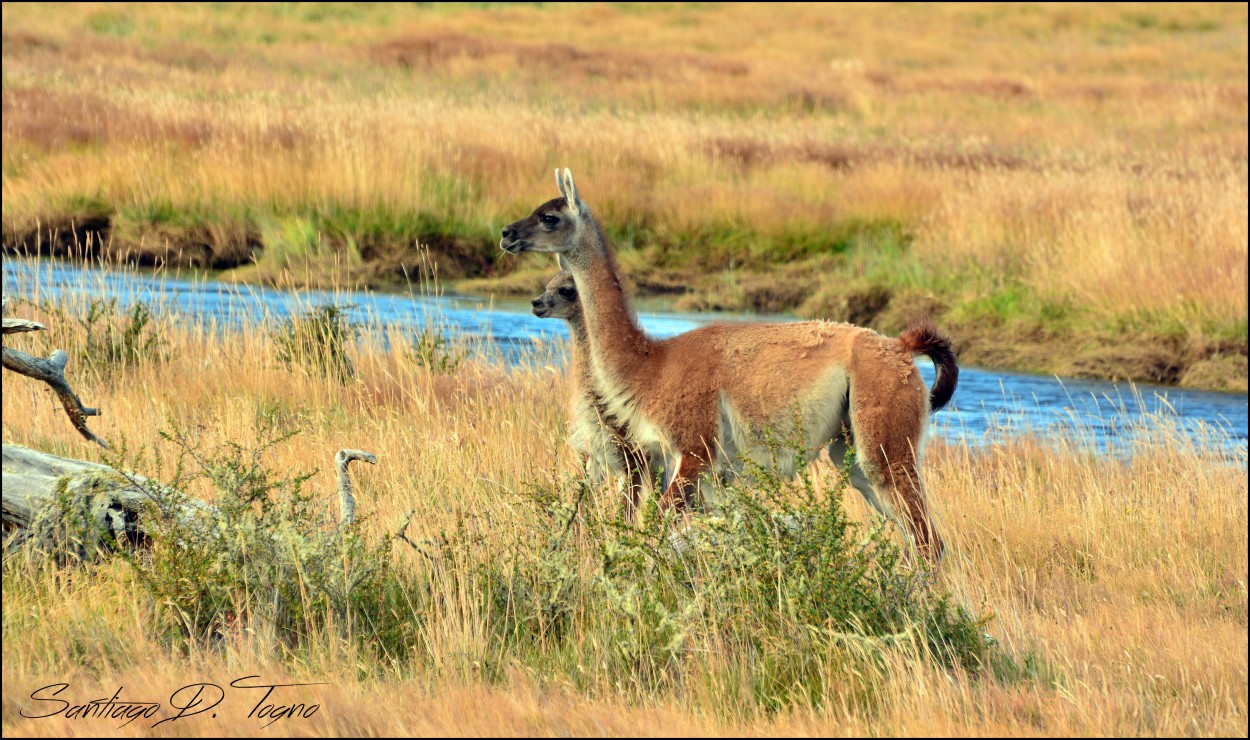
<point x="989" y="405"/>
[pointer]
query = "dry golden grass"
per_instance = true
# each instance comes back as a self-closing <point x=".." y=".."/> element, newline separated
<point x="1090" y="157"/>
<point x="1125" y="579"/>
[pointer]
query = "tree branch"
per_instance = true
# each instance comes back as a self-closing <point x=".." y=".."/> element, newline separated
<point x="50" y="371"/>
<point x="13" y="326"/>
<point x="347" y="504"/>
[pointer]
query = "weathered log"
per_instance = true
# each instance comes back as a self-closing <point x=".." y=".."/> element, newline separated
<point x="45" y="494"/>
<point x="41" y="491"/>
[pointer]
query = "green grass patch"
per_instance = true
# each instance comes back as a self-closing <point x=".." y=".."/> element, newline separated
<point x="735" y="245"/>
<point x="291" y="241"/>
<point x="1009" y="302"/>
<point x="111" y="23"/>
<point x="85" y="205"/>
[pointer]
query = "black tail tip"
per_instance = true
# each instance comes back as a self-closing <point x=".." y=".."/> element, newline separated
<point x="922" y="337"/>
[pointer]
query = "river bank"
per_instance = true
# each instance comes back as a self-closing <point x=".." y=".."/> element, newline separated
<point x="1008" y="330"/>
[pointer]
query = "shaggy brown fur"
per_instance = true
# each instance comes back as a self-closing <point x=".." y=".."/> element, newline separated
<point x="704" y="397"/>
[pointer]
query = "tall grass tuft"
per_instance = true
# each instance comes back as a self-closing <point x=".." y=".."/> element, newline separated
<point x="318" y="341"/>
<point x="103" y="338"/>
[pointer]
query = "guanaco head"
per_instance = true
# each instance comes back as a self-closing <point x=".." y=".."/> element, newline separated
<point x="560" y="299"/>
<point x="552" y="227"/>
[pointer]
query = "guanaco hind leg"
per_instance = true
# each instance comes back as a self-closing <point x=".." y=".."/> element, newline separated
<point x="858" y="480"/>
<point x="887" y="471"/>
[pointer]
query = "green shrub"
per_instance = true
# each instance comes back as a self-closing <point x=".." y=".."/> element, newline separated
<point x="435" y="353"/>
<point x="776" y="587"/>
<point x="267" y="555"/>
<point x="318" y="341"/>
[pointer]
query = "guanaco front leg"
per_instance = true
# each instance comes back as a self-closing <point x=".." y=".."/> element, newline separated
<point x="639" y="473"/>
<point x="685" y="483"/>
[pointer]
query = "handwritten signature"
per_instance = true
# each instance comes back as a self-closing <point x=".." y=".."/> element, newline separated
<point x="188" y="701"/>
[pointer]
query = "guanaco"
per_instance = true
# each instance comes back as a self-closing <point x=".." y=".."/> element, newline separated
<point x="597" y="436"/>
<point x="704" y="399"/>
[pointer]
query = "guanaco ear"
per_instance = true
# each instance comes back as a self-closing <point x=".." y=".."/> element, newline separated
<point x="570" y="190"/>
<point x="564" y="264"/>
<point x="560" y="184"/>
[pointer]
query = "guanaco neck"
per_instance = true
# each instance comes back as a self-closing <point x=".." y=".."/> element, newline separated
<point x="579" y="359"/>
<point x="614" y="338"/>
<point x="583" y="374"/>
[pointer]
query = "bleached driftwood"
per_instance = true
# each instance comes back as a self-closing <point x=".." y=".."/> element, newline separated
<point x="347" y="504"/>
<point x="14" y="326"/>
<point x="42" y="490"/>
<point x="51" y="371"/>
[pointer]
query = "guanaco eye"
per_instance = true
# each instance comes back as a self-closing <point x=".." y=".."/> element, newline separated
<point x="568" y="293"/>
<point x="549" y="219"/>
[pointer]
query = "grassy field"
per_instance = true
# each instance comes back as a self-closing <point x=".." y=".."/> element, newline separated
<point x="1113" y="591"/>
<point x="1063" y="187"/>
